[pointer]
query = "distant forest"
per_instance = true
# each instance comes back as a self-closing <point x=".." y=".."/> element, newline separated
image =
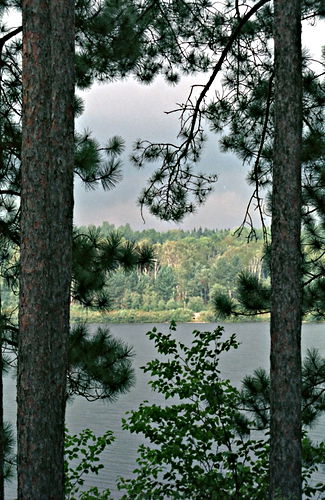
<point x="189" y="267"/>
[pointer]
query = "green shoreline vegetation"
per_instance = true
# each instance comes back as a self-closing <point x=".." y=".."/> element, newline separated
<point x="79" y="314"/>
<point x="189" y="269"/>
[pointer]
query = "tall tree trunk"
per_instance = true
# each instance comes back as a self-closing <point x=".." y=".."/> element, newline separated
<point x="1" y="320"/>
<point x="2" y="452"/>
<point x="46" y="241"/>
<point x="285" y="457"/>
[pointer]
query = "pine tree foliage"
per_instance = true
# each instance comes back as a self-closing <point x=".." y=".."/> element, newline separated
<point x="94" y="164"/>
<point x="237" y="39"/>
<point x="255" y="396"/>
<point x="103" y="52"/>
<point x="253" y="292"/>
<point x="110" y="376"/>
<point x="9" y="451"/>
<point x="224" y="305"/>
<point x="252" y="297"/>
<point x="112" y="39"/>
<point x="313" y="394"/>
<point x="94" y="259"/>
<point x="255" y="393"/>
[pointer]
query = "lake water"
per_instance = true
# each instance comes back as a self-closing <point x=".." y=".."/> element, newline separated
<point x="119" y="458"/>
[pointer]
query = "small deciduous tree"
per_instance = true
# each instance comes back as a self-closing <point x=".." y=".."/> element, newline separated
<point x="81" y="458"/>
<point x="201" y="444"/>
<point x="201" y="441"/>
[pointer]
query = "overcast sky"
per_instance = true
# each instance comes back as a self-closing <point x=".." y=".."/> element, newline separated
<point x="136" y="111"/>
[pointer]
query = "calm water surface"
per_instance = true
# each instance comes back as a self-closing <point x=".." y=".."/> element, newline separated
<point x="119" y="458"/>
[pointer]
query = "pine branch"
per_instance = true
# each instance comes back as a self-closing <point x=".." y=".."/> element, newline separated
<point x="8" y="36"/>
<point x="170" y="189"/>
<point x="256" y="195"/>
<point x="9" y="192"/>
<point x="218" y="67"/>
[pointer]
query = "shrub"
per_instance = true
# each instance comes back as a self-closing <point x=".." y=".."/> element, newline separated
<point x="81" y="458"/>
<point x="200" y="444"/>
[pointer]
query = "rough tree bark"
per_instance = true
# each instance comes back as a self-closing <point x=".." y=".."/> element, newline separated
<point x="46" y="240"/>
<point x="285" y="457"/>
<point x="2" y="485"/>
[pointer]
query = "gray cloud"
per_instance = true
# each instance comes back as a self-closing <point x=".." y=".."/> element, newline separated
<point x="134" y="111"/>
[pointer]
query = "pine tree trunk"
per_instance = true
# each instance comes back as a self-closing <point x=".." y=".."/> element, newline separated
<point x="46" y="241"/>
<point x="2" y="451"/>
<point x="285" y="457"/>
<point x="1" y="321"/>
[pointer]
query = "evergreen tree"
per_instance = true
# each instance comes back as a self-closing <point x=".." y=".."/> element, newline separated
<point x="255" y="393"/>
<point x="286" y="297"/>
<point x="246" y="62"/>
<point x="102" y="29"/>
<point x="234" y="36"/>
<point x="46" y="244"/>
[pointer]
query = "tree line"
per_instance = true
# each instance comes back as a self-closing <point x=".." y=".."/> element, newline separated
<point x="189" y="268"/>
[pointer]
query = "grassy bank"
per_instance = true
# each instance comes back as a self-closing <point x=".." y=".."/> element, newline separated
<point x="139" y="316"/>
<point x="180" y="315"/>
